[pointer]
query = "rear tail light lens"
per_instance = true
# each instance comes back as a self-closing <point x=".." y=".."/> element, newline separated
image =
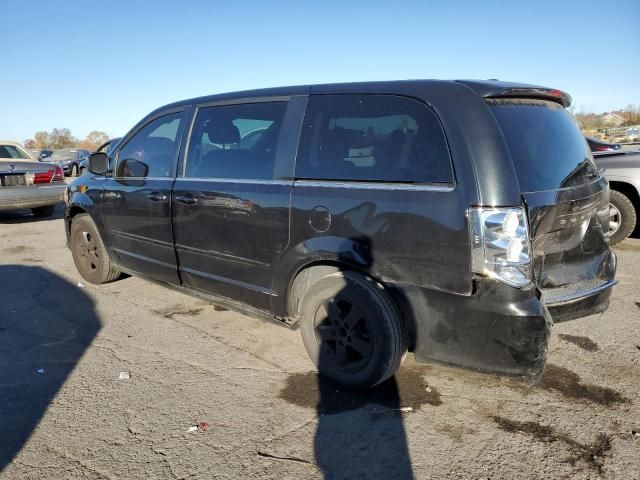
<point x="52" y="175"/>
<point x="58" y="176"/>
<point x="500" y="246"/>
<point x="43" y="177"/>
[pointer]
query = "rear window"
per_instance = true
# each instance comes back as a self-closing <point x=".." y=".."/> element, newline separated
<point x="376" y="138"/>
<point x="11" y="151"/>
<point x="548" y="149"/>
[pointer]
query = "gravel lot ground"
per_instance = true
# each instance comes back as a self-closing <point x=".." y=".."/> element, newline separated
<point x="64" y="412"/>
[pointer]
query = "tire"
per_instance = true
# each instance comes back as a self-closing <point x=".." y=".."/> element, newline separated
<point x="74" y="171"/>
<point x="88" y="251"/>
<point x="352" y="330"/>
<point x="42" y="212"/>
<point x="622" y="217"/>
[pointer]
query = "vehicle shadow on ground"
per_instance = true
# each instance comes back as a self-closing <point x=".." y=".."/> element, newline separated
<point x="46" y="324"/>
<point x="25" y="216"/>
<point x="361" y="434"/>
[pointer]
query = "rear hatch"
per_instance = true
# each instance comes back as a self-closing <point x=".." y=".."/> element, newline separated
<point x="567" y="200"/>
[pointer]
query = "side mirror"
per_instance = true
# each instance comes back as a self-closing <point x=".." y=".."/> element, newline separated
<point x="131" y="168"/>
<point x="99" y="163"/>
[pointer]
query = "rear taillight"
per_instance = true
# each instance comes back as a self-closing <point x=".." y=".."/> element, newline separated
<point x="43" y="177"/>
<point x="500" y="246"/>
<point x="58" y="175"/>
<point x="52" y="175"/>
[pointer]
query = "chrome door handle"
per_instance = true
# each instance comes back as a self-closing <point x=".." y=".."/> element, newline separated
<point x="156" y="197"/>
<point x="186" y="198"/>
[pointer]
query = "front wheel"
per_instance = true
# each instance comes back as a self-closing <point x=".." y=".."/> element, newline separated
<point x="352" y="330"/>
<point x="88" y="251"/>
<point x="622" y="217"/>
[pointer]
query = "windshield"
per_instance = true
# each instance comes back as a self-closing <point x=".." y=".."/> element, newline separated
<point x="548" y="149"/>
<point x="13" y="152"/>
<point x="64" y="153"/>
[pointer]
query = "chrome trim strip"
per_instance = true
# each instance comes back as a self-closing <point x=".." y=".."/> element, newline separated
<point x="228" y="281"/>
<point x="374" y="185"/>
<point x="236" y="180"/>
<point x="576" y="297"/>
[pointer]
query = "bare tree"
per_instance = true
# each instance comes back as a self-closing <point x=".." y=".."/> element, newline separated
<point x="42" y="140"/>
<point x="30" y="143"/>
<point x="631" y="115"/>
<point x="94" y="140"/>
<point x="62" y="138"/>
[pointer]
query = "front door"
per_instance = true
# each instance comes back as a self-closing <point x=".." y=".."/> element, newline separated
<point x="137" y="199"/>
<point x="231" y="206"/>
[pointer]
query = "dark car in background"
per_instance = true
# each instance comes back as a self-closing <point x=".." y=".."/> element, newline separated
<point x="40" y="154"/>
<point x="106" y="147"/>
<point x="453" y="219"/>
<point x="599" y="146"/>
<point x="69" y="159"/>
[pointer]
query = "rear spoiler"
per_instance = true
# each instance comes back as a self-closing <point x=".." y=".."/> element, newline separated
<point x="554" y="95"/>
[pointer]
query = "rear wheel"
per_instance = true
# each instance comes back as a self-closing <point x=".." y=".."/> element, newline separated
<point x="45" y="211"/>
<point x="352" y="330"/>
<point x="622" y="217"/>
<point x="88" y="251"/>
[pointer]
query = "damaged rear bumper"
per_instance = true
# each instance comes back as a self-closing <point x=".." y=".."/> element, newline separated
<point x="498" y="329"/>
<point x="582" y="298"/>
<point x="580" y="304"/>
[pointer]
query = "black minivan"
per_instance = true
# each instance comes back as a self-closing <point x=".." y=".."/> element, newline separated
<point x="453" y="219"/>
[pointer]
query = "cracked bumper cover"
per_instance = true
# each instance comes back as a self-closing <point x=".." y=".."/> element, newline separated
<point x="498" y="329"/>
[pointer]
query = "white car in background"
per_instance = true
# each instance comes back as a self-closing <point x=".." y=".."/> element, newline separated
<point x="28" y="183"/>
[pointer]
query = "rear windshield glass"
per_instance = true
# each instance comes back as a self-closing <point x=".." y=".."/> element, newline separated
<point x="548" y="149"/>
<point x="11" y="151"/>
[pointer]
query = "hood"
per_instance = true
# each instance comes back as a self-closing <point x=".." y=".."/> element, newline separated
<point x="22" y="166"/>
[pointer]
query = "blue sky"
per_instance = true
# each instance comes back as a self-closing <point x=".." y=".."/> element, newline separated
<point x="104" y="65"/>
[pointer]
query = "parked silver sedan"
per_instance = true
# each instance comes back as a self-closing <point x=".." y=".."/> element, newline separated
<point x="622" y="170"/>
<point x="27" y="183"/>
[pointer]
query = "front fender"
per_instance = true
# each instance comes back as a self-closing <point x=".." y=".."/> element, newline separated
<point x="80" y="198"/>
